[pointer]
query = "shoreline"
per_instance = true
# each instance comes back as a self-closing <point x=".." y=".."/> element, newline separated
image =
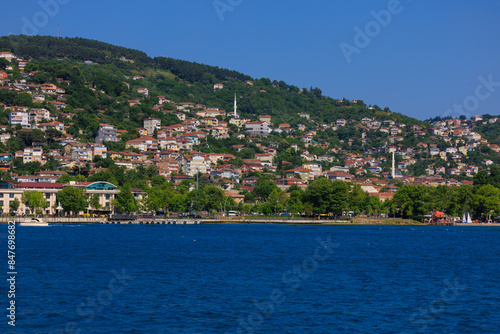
<point x="243" y="220"/>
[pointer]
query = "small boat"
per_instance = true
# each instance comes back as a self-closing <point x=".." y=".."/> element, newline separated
<point x="469" y="221"/>
<point x="34" y="222"/>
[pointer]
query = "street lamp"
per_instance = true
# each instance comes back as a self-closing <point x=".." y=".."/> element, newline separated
<point x="59" y="209"/>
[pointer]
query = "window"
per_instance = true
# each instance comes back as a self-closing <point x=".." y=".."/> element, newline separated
<point x="11" y="195"/>
<point x="5" y="185"/>
<point x="108" y="196"/>
<point x="1" y="195"/>
<point x="47" y="195"/>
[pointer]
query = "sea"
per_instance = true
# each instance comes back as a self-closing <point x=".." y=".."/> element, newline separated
<point x="242" y="278"/>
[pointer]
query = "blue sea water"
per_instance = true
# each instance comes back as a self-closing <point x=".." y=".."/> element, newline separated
<point x="255" y="279"/>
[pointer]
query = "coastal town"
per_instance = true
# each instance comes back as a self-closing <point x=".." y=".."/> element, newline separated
<point x="246" y="167"/>
<point x="379" y="159"/>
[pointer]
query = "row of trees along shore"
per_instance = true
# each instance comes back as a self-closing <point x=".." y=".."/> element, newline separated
<point x="321" y="196"/>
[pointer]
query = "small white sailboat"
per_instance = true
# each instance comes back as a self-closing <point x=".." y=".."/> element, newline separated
<point x="464" y="219"/>
<point x="34" y="222"/>
<point x="469" y="221"/>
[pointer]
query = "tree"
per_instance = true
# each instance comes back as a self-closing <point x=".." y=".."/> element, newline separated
<point x="372" y="204"/>
<point x="481" y="178"/>
<point x="94" y="202"/>
<point x="294" y="202"/>
<point x="267" y="208"/>
<point x="197" y="200"/>
<point x="34" y="200"/>
<point x="411" y="201"/>
<point x="178" y="203"/>
<point x="340" y="192"/>
<point x="51" y="134"/>
<point x="495" y="176"/>
<point x="263" y="188"/>
<point x="249" y="197"/>
<point x="247" y="208"/>
<point x="31" y="136"/>
<point x="66" y="178"/>
<point x="274" y="199"/>
<point x="326" y="196"/>
<point x="14" y="205"/>
<point x="461" y="200"/>
<point x="24" y="99"/>
<point x="125" y="201"/>
<point x="3" y="63"/>
<point x="357" y="198"/>
<point x="159" y="196"/>
<point x="158" y="180"/>
<point x="73" y="199"/>
<point x="214" y="196"/>
<point x="487" y="200"/>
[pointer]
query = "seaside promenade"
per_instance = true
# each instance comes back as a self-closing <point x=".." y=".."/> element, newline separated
<point x="234" y="220"/>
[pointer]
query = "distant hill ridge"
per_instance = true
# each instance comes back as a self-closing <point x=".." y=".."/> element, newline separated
<point x="76" y="48"/>
<point x="264" y="97"/>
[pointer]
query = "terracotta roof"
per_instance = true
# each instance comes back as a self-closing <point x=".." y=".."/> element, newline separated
<point x="40" y="185"/>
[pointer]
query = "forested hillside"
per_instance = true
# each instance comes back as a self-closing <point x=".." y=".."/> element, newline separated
<point x="266" y="96"/>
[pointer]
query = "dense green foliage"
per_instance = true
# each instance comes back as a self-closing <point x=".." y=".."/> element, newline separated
<point x="166" y="76"/>
<point x="73" y="199"/>
<point x="46" y="47"/>
<point x="34" y="201"/>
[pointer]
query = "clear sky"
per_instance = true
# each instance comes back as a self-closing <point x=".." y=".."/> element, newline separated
<point x="422" y="58"/>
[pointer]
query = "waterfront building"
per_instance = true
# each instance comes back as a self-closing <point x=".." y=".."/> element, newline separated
<point x="10" y="190"/>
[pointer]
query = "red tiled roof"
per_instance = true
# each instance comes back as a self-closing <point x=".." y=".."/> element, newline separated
<point x="40" y="185"/>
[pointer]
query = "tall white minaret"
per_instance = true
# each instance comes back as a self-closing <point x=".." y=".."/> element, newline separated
<point x="393" y="164"/>
<point x="235" y="114"/>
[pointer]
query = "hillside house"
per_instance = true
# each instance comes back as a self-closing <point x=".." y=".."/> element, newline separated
<point x="258" y="128"/>
<point x="144" y="144"/>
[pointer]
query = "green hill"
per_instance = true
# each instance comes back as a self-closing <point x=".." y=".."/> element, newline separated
<point x="179" y="80"/>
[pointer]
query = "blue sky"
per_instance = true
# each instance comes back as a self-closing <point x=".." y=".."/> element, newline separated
<point x="421" y="58"/>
